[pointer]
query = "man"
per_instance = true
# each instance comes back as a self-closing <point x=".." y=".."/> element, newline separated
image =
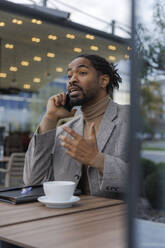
<point x="91" y="149"/>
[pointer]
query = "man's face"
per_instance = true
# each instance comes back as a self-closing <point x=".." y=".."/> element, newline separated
<point x="84" y="83"/>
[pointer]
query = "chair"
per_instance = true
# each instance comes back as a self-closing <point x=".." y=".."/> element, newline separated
<point x="14" y="170"/>
<point x="13" y="144"/>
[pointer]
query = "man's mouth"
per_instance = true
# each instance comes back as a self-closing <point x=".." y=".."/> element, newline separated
<point x="74" y="91"/>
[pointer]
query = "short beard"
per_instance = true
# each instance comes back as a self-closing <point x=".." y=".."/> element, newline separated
<point x="75" y="101"/>
<point x="78" y="101"/>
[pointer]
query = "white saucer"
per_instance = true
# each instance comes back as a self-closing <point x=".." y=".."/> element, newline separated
<point x="53" y="204"/>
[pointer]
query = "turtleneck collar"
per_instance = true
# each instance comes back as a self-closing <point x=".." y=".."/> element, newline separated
<point x="95" y="110"/>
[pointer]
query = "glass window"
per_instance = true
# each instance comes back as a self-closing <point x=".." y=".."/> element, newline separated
<point x="34" y="57"/>
<point x="150" y="167"/>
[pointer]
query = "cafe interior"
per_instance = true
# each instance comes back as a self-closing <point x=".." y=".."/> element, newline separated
<point x="36" y="46"/>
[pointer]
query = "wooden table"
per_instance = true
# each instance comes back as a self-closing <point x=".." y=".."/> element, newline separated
<point x="93" y="222"/>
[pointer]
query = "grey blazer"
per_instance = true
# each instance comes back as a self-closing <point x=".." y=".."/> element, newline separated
<point x="46" y="158"/>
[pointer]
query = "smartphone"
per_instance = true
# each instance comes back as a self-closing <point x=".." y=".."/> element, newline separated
<point x="68" y="106"/>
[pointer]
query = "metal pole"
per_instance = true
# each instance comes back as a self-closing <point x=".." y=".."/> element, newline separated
<point x="44" y="3"/>
<point x="134" y="141"/>
<point x="0" y="59"/>
<point x="113" y="26"/>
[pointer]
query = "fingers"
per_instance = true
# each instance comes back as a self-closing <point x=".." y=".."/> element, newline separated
<point x="67" y="142"/>
<point x="71" y="146"/>
<point x="77" y="136"/>
<point x="83" y="150"/>
<point x="72" y="133"/>
<point x="65" y="139"/>
<point x="59" y="99"/>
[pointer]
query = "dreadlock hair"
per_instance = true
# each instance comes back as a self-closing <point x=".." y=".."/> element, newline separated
<point x="104" y="67"/>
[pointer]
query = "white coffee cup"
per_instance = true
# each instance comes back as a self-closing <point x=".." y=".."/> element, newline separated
<point x="59" y="191"/>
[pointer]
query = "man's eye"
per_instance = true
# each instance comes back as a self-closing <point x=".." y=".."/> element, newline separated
<point x="69" y="76"/>
<point x="83" y="72"/>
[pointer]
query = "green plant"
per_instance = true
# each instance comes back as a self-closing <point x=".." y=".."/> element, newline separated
<point x="155" y="187"/>
<point x="147" y="168"/>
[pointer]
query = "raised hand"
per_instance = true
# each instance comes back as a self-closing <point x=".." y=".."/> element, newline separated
<point x="55" y="108"/>
<point x="79" y="148"/>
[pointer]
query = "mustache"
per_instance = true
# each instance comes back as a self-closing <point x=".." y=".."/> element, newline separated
<point x="75" y="85"/>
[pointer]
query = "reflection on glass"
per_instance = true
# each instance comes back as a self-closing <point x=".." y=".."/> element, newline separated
<point x="38" y="62"/>
<point x="151" y="51"/>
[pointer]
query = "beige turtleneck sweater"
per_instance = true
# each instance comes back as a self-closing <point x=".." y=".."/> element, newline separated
<point x="94" y="114"/>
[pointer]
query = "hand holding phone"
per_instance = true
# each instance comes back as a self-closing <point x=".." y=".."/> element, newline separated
<point x="57" y="110"/>
<point x="68" y="106"/>
<point x="59" y="107"/>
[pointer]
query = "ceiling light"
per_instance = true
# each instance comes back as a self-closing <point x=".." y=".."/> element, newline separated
<point x="3" y="75"/>
<point x="16" y="21"/>
<point x="126" y="56"/>
<point x="111" y="47"/>
<point x="50" y="55"/>
<point x="35" y="39"/>
<point x="77" y="50"/>
<point x="9" y="46"/>
<point x="24" y="63"/>
<point x="94" y="48"/>
<point x="91" y="37"/>
<point x="2" y="24"/>
<point x="33" y="20"/>
<point x="13" y="68"/>
<point x="26" y="86"/>
<point x="70" y="36"/>
<point x="19" y="22"/>
<point x="59" y="69"/>
<point x="36" y="21"/>
<point x="52" y="37"/>
<point x="112" y="58"/>
<point x="36" y="80"/>
<point x="37" y="58"/>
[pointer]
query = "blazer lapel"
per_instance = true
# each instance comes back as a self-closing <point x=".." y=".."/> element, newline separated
<point x="107" y="125"/>
<point x="78" y="128"/>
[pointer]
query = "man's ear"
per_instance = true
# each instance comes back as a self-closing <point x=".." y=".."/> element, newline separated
<point x="104" y="80"/>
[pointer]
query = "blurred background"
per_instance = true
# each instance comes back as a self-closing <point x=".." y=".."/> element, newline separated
<point x="150" y="183"/>
<point x="37" y="41"/>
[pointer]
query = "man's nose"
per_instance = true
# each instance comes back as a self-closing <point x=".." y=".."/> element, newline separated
<point x="73" y="79"/>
